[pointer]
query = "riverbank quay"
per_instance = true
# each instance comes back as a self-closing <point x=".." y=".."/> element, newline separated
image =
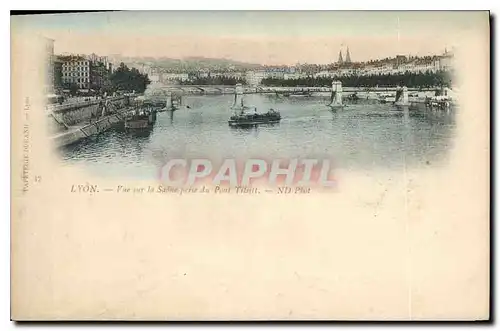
<point x="69" y="123"/>
<point x="76" y="133"/>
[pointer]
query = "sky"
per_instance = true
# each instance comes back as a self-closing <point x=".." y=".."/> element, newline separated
<point x="265" y="37"/>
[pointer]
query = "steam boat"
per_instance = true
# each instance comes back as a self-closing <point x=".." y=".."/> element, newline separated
<point x="443" y="99"/>
<point x="140" y="119"/>
<point x="241" y="116"/>
<point x="243" y="119"/>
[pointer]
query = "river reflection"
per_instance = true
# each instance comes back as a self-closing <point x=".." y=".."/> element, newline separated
<point x="363" y="135"/>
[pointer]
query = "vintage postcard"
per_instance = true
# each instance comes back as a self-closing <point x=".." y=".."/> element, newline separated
<point x="250" y="165"/>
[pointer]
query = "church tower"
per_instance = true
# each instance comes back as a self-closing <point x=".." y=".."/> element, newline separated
<point x="348" y="56"/>
<point x="341" y="60"/>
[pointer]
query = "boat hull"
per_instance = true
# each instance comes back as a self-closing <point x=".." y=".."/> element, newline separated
<point x="252" y="122"/>
<point x="137" y="124"/>
<point x="140" y="122"/>
<point x="299" y="95"/>
<point x="254" y="119"/>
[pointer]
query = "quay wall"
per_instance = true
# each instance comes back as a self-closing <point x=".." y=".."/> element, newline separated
<point x="69" y="123"/>
<point x="75" y="114"/>
<point x="77" y="133"/>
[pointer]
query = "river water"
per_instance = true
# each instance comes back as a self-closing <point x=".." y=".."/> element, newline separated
<point x="364" y="136"/>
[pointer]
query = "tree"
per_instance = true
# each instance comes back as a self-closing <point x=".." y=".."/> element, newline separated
<point x="126" y="79"/>
<point x="408" y="79"/>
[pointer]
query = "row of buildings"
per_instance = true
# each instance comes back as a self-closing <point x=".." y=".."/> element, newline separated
<point x="172" y="78"/>
<point x="92" y="72"/>
<point x="393" y="66"/>
<point x="87" y="72"/>
<point x="80" y="71"/>
<point x="156" y="76"/>
<point x="343" y="67"/>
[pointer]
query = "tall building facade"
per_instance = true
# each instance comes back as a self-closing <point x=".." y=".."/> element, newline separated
<point x="99" y="75"/>
<point x="75" y="70"/>
<point x="57" y="72"/>
<point x="46" y="48"/>
<point x="49" y="53"/>
<point x="86" y="72"/>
